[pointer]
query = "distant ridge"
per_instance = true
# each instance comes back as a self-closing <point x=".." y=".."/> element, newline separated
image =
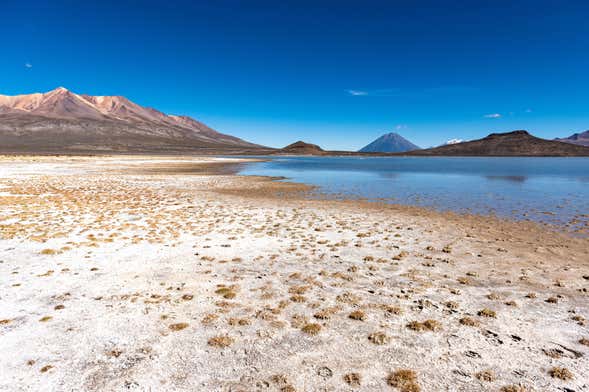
<point x="516" y="143"/>
<point x="61" y="121"/>
<point x="581" y="139"/>
<point x="390" y="142"/>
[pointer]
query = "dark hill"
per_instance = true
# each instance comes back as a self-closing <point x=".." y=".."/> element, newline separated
<point x="302" y="148"/>
<point x="516" y="143"/>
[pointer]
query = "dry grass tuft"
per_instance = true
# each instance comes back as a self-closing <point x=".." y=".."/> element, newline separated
<point x="234" y="321"/>
<point x="561" y="373"/>
<point x="469" y="321"/>
<point x="357" y="315"/>
<point x="311" y="328"/>
<point x="404" y="379"/>
<point x="45" y="319"/>
<point x="486" y="375"/>
<point x="427" y="325"/>
<point x="584" y="341"/>
<point x="452" y="305"/>
<point x="226" y="292"/>
<point x="379" y="338"/>
<point x="46" y="368"/>
<point x="209" y="318"/>
<point x="515" y="388"/>
<point x="220" y="341"/>
<point x="486" y="312"/>
<point x="178" y="326"/>
<point x="353" y="379"/>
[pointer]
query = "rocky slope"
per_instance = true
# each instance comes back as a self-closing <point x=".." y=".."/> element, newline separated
<point x="62" y="121"/>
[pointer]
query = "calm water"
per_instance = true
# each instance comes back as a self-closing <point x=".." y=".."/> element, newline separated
<point x="550" y="190"/>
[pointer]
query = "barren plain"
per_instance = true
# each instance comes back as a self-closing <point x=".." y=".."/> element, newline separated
<point x="173" y="274"/>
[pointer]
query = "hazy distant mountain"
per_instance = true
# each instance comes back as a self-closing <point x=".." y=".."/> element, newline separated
<point x="62" y="121"/>
<point x="516" y="143"/>
<point x="391" y="142"/>
<point x="301" y="148"/>
<point x="577" y="138"/>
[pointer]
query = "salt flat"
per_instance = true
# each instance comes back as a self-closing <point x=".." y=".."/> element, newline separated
<point x="133" y="273"/>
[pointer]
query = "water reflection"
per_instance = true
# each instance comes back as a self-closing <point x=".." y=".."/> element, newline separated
<point x="554" y="190"/>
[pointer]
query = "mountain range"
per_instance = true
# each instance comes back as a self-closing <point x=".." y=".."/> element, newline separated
<point x="581" y="139"/>
<point x="63" y="121"/>
<point x="390" y="142"/>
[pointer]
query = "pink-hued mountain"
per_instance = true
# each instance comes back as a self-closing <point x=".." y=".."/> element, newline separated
<point x="581" y="139"/>
<point x="62" y="121"/>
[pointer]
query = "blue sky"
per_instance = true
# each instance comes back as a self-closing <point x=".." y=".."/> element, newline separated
<point x="335" y="73"/>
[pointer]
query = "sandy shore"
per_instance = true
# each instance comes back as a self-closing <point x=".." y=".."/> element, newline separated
<point x="172" y="274"/>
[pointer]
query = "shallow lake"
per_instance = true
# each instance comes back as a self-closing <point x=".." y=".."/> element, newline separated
<point x="549" y="190"/>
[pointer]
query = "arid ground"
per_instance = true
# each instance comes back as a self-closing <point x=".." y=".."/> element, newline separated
<point x="173" y="274"/>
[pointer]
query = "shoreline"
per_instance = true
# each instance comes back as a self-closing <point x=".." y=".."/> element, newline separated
<point x="121" y="277"/>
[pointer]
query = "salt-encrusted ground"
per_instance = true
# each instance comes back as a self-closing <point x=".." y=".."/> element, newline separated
<point x="133" y="274"/>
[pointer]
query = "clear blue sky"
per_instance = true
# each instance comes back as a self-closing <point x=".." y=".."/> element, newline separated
<point x="335" y="73"/>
